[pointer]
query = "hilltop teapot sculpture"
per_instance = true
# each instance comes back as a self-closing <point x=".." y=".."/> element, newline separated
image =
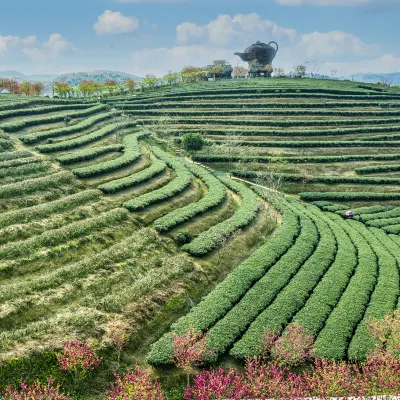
<point x="259" y="56"/>
<point x="262" y="53"/>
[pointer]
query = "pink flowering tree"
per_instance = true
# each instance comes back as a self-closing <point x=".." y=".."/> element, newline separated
<point x="190" y="351"/>
<point x="294" y="347"/>
<point x="119" y="335"/>
<point x="135" y="385"/>
<point x="37" y="391"/>
<point x="79" y="359"/>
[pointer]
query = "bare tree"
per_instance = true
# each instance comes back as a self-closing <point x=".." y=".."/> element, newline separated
<point x="314" y="67"/>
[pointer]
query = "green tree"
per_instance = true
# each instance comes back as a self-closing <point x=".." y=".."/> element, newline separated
<point x="192" y="142"/>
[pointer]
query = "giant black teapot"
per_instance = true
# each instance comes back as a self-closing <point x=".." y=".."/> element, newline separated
<point x="260" y="52"/>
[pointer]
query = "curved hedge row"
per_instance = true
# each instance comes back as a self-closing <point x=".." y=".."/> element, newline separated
<point x="215" y="305"/>
<point x="25" y="169"/>
<point x="52" y="133"/>
<point x="320" y="179"/>
<point x="290" y="133"/>
<point x="155" y="168"/>
<point x="287" y="123"/>
<point x="132" y="152"/>
<point x="227" y="330"/>
<point x="329" y="290"/>
<point x="60" y="235"/>
<point x="309" y="143"/>
<point x="89" y="154"/>
<point x="377" y="168"/>
<point x="84" y="139"/>
<point x="383" y="299"/>
<point x="292" y="297"/>
<point x="182" y="180"/>
<point x="310" y="107"/>
<point x="385" y="212"/>
<point x="297" y="159"/>
<point x="33" y="185"/>
<point x="333" y="340"/>
<point x="28" y="214"/>
<point x="216" y="195"/>
<point x="395" y="229"/>
<point x="18" y="125"/>
<point x="41" y="110"/>
<point x="16" y="162"/>
<point x="270" y="122"/>
<point x="14" y="155"/>
<point x="349" y="196"/>
<point x="210" y="239"/>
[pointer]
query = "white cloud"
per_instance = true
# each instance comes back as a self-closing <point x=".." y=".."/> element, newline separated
<point x="52" y="48"/>
<point x="239" y="29"/>
<point x="384" y="64"/>
<point x="334" y="3"/>
<point x="114" y="23"/>
<point x="334" y="43"/>
<point x="7" y="42"/>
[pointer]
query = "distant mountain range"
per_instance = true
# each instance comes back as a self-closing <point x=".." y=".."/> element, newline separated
<point x="391" y="78"/>
<point x="72" y="78"/>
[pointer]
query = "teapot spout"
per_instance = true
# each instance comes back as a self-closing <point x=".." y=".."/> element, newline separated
<point x="241" y="55"/>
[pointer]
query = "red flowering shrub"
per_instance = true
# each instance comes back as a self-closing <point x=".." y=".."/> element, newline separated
<point x="294" y="347"/>
<point x="271" y="381"/>
<point x="190" y="350"/>
<point x="119" y="334"/>
<point x="78" y="356"/>
<point x="135" y="385"/>
<point x="37" y="391"/>
<point x="217" y="384"/>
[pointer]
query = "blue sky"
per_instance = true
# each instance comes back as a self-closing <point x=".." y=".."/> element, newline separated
<point x="154" y="36"/>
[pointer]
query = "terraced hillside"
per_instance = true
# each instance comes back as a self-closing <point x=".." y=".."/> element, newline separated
<point x="94" y="195"/>
<point x="322" y="139"/>
<point x="89" y="204"/>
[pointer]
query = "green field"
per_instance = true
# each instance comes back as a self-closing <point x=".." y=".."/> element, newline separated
<point x="90" y="206"/>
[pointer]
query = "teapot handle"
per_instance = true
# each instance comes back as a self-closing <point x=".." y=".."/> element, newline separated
<point x="277" y="47"/>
